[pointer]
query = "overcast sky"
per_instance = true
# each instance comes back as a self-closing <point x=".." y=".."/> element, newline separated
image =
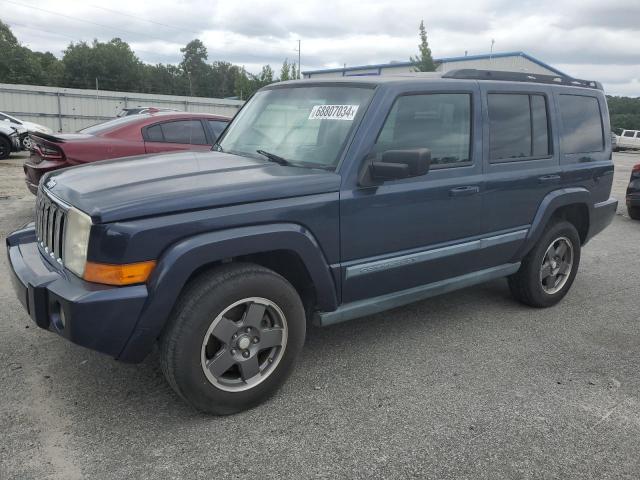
<point x="588" y="39"/>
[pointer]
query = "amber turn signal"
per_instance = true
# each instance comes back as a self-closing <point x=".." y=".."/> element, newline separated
<point x="126" y="274"/>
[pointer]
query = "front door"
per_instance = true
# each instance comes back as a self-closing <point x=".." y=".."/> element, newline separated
<point x="410" y="232"/>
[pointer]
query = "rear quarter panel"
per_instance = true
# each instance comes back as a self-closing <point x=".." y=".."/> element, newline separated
<point x="590" y="170"/>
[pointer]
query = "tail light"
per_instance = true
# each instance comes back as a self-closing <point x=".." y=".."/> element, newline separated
<point x="46" y="151"/>
<point x="636" y="168"/>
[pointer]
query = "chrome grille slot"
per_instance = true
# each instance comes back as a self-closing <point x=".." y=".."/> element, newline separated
<point x="50" y="223"/>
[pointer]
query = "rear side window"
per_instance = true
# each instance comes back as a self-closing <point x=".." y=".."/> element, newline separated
<point x="518" y="126"/>
<point x="154" y="134"/>
<point x="217" y="126"/>
<point x="582" y="124"/>
<point x="180" y="131"/>
<point x="440" y="122"/>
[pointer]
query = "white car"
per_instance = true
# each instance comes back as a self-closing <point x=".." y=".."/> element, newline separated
<point x="23" y="125"/>
<point x="9" y="140"/>
<point x="628" y="139"/>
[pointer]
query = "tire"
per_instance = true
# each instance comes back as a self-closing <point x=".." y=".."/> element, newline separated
<point x="232" y="316"/>
<point x="5" y="148"/>
<point x="26" y="143"/>
<point x="535" y="284"/>
<point x="634" y="212"/>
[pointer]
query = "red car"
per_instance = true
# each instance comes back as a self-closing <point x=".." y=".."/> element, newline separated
<point x="122" y="137"/>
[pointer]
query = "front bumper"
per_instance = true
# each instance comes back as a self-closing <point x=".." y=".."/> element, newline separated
<point x="95" y="316"/>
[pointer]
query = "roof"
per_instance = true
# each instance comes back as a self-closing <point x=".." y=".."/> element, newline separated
<point x="442" y="60"/>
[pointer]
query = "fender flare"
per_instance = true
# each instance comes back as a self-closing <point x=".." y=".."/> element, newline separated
<point x="548" y="206"/>
<point x="181" y="260"/>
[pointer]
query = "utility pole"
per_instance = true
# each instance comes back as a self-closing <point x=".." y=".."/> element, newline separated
<point x="299" y="73"/>
<point x="493" y="41"/>
<point x="190" y="86"/>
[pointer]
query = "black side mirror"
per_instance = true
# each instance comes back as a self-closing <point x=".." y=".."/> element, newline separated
<point x="396" y="164"/>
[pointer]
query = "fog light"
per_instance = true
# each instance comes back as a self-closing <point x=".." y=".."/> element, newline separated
<point x="63" y="319"/>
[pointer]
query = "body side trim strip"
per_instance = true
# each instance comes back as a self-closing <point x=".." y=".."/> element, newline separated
<point x="435" y="253"/>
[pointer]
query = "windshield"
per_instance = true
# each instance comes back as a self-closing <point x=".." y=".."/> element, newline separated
<point x="303" y="125"/>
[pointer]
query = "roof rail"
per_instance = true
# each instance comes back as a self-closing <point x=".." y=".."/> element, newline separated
<point x="473" y="74"/>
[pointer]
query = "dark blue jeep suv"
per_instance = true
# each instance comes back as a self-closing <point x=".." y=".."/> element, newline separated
<point x="322" y="201"/>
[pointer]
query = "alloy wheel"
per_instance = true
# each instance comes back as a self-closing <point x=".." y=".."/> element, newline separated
<point x="557" y="264"/>
<point x="244" y="344"/>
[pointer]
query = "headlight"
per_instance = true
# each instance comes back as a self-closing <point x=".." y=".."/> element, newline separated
<point x="76" y="241"/>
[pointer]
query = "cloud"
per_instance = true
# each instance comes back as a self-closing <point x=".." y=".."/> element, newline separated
<point x="596" y="40"/>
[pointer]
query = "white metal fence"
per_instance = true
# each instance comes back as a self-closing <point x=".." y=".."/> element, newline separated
<point x="69" y="109"/>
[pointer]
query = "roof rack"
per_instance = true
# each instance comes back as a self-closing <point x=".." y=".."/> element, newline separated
<point x="473" y="74"/>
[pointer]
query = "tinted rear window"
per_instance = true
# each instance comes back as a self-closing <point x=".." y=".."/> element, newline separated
<point x="581" y="123"/>
<point x="110" y="125"/>
<point x="184" y="131"/>
<point x="518" y="126"/>
<point x="217" y="126"/>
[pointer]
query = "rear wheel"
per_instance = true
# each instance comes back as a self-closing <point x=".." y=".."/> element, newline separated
<point x="5" y="148"/>
<point x="548" y="270"/>
<point x="634" y="212"/>
<point x="233" y="338"/>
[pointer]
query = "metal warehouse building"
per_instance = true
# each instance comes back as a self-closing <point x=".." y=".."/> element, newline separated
<point x="508" y="61"/>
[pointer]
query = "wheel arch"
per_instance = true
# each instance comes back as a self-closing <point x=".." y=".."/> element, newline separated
<point x="289" y="249"/>
<point x="571" y="204"/>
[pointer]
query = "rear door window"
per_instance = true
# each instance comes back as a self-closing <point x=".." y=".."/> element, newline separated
<point x="627" y="133"/>
<point x="217" y="126"/>
<point x="582" y="124"/>
<point x="518" y="126"/>
<point x="154" y="134"/>
<point x="180" y="131"/>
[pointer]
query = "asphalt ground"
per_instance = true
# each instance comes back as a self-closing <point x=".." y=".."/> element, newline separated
<point x="466" y="385"/>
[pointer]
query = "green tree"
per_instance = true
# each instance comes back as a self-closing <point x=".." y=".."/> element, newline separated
<point x="266" y="75"/>
<point x="113" y="63"/>
<point x="285" y="71"/>
<point x="243" y="85"/>
<point x="424" y="61"/>
<point x="222" y="79"/>
<point x="295" y="75"/>
<point x="194" y="65"/>
<point x="18" y="64"/>
<point x="624" y="113"/>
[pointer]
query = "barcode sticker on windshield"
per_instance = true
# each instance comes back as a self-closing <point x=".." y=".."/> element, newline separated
<point x="333" y="112"/>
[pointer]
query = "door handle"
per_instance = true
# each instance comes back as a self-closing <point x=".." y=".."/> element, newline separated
<point x="549" y="178"/>
<point x="464" y="191"/>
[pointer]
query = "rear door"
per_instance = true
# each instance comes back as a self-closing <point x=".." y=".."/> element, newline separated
<point x="521" y="162"/>
<point x="176" y="135"/>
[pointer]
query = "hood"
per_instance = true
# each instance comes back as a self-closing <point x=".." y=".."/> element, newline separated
<point x="161" y="184"/>
<point x="36" y="127"/>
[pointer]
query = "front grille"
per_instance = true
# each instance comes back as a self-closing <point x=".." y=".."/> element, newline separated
<point x="50" y="222"/>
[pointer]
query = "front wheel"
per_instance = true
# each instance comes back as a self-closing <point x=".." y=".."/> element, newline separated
<point x="548" y="270"/>
<point x="5" y="148"/>
<point x="233" y="338"/>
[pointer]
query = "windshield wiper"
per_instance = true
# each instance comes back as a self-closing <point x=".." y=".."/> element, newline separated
<point x="275" y="158"/>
